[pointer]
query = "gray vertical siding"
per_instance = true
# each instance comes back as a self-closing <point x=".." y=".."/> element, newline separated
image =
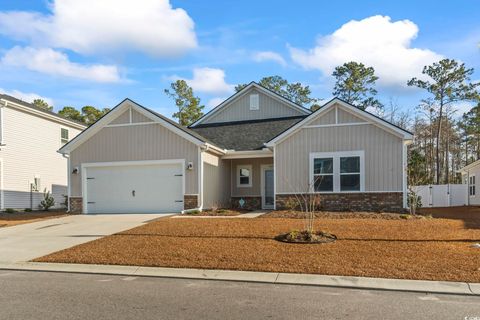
<point x="239" y="109"/>
<point x="327" y="118"/>
<point x="383" y="155"/>
<point x="138" y="117"/>
<point x="122" y="118"/>
<point x="347" y="117"/>
<point x="216" y="181"/>
<point x="135" y="143"/>
<point x="255" y="189"/>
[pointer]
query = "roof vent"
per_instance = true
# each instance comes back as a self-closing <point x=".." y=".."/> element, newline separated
<point x="254" y="103"/>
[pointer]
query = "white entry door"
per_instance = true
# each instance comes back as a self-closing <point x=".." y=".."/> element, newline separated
<point x="268" y="193"/>
<point x="134" y="187"/>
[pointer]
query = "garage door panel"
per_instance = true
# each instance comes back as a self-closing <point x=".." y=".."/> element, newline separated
<point x="135" y="188"/>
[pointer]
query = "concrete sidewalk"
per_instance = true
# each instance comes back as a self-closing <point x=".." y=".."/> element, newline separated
<point x="444" y="287"/>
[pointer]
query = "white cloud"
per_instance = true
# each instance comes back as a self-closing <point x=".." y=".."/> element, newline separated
<point x="375" y="41"/>
<point x="212" y="103"/>
<point x="209" y="80"/>
<point x="25" y="96"/>
<point x="55" y="63"/>
<point x="269" y="56"/>
<point x="150" y="26"/>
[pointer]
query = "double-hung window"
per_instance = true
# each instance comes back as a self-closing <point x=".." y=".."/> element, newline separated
<point x="471" y="186"/>
<point x="244" y="176"/>
<point x="337" y="171"/>
<point x="63" y="136"/>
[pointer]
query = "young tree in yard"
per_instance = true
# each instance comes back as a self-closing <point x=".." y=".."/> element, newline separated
<point x="449" y="82"/>
<point x="71" y="113"/>
<point x="42" y="104"/>
<point x="91" y="114"/>
<point x="354" y="83"/>
<point x="470" y="126"/>
<point x="295" y="92"/>
<point x="189" y="107"/>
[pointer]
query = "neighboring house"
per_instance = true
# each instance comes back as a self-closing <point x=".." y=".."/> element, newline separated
<point x="29" y="161"/>
<point x="470" y="174"/>
<point x="255" y="150"/>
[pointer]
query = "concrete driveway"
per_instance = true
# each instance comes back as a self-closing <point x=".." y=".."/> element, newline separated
<point x="32" y="240"/>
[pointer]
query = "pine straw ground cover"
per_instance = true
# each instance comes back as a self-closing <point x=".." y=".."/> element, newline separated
<point x="11" y="219"/>
<point x="431" y="249"/>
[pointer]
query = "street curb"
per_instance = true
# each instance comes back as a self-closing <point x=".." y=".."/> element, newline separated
<point x="443" y="287"/>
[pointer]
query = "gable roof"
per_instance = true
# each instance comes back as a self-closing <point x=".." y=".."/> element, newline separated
<point x="470" y="166"/>
<point x="240" y="93"/>
<point x="43" y="112"/>
<point x="184" y="132"/>
<point x="386" y="125"/>
<point x="245" y="135"/>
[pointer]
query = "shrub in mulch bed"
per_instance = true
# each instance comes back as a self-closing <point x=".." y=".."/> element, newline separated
<point x="306" y="237"/>
<point x="287" y="214"/>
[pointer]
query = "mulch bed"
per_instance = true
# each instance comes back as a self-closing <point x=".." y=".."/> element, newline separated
<point x="11" y="219"/>
<point x="217" y="213"/>
<point x="288" y="214"/>
<point x="429" y="249"/>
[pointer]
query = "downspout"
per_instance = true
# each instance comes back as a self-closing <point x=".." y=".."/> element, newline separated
<point x="201" y="149"/>
<point x="66" y="156"/>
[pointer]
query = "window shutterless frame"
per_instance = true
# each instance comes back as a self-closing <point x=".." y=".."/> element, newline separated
<point x="337" y="174"/>
<point x="244" y="176"/>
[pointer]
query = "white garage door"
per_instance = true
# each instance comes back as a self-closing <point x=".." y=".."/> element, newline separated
<point x="134" y="188"/>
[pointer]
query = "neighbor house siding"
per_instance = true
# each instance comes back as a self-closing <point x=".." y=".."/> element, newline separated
<point x="239" y="109"/>
<point x="254" y="190"/>
<point x="135" y="143"/>
<point x="31" y="144"/>
<point x="383" y="156"/>
<point x="216" y="181"/>
<point x="474" y="200"/>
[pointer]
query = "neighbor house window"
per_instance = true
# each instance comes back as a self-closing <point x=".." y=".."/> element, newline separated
<point x="244" y="176"/>
<point x="471" y="186"/>
<point x="63" y="136"/>
<point x="337" y="171"/>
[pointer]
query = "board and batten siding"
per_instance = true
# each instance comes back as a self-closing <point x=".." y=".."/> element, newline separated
<point x="135" y="143"/>
<point x="133" y="115"/>
<point x="31" y="144"/>
<point x="239" y="109"/>
<point x="255" y="189"/>
<point x="383" y="156"/>
<point x="216" y="181"/>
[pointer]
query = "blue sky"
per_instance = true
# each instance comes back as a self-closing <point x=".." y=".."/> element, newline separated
<point x="73" y="53"/>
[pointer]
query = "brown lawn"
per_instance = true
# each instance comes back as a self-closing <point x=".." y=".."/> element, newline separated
<point x="12" y="219"/>
<point x="431" y="249"/>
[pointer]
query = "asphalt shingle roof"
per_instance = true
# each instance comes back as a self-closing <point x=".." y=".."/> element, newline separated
<point x="245" y="135"/>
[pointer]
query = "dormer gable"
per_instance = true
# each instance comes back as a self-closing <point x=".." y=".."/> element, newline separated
<point x="253" y="102"/>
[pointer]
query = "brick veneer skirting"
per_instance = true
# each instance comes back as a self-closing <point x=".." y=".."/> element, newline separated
<point x="368" y="201"/>
<point x="251" y="203"/>
<point x="190" y="201"/>
<point x="76" y="204"/>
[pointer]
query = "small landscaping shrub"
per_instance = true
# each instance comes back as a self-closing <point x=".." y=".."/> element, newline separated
<point x="405" y="216"/>
<point x="193" y="212"/>
<point x="10" y="210"/>
<point x="47" y="201"/>
<point x="291" y="204"/>
<point x="27" y="210"/>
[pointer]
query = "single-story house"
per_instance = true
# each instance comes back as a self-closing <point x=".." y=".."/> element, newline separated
<point x="29" y="162"/>
<point x="469" y="174"/>
<point x="255" y="150"/>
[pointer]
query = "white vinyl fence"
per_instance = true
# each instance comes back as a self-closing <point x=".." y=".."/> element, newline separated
<point x="442" y="195"/>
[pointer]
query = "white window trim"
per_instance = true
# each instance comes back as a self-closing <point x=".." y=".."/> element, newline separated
<point x="248" y="167"/>
<point x="336" y="169"/>
<point x="472" y="185"/>
<point x="254" y="102"/>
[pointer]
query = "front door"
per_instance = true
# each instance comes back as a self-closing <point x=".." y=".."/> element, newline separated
<point x="268" y="195"/>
